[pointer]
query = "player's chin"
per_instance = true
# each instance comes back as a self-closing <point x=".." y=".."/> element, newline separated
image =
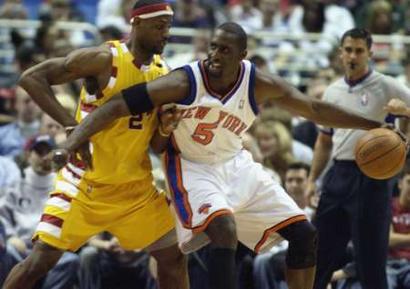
<point x="159" y="49"/>
<point x="215" y="72"/>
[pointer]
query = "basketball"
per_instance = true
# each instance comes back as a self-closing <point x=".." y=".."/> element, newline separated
<point x="380" y="153"/>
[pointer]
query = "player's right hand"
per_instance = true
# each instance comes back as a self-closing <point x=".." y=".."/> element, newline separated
<point x="85" y="155"/>
<point x="169" y="117"/>
<point x="61" y="156"/>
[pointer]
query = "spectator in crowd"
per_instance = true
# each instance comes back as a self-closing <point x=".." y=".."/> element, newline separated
<point x="51" y="127"/>
<point x="399" y="237"/>
<point x="275" y="143"/>
<point x="13" y="9"/>
<point x="268" y="8"/>
<point x="26" y="57"/>
<point x="8" y="257"/>
<point x="113" y="13"/>
<point x="278" y="148"/>
<point x="27" y="202"/>
<point x="379" y="17"/>
<point x="200" y="42"/>
<point x="23" y="209"/>
<point x="296" y="181"/>
<point x="111" y="32"/>
<point x="405" y="76"/>
<point x="189" y="13"/>
<point x="14" y="135"/>
<point x="105" y="265"/>
<point x="60" y="10"/>
<point x="288" y="18"/>
<point x="10" y="175"/>
<point x="46" y="36"/>
<point x="337" y="19"/>
<point x="247" y="15"/>
<point x="379" y="20"/>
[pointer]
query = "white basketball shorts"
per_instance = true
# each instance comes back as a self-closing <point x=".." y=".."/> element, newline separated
<point x="240" y="186"/>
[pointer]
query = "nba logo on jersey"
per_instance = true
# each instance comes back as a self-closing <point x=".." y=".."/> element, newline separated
<point x="241" y="104"/>
<point x="365" y="99"/>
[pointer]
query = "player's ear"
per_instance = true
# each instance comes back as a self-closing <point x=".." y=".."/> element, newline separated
<point x="370" y="53"/>
<point x="340" y="52"/>
<point x="135" y="21"/>
<point x="244" y="54"/>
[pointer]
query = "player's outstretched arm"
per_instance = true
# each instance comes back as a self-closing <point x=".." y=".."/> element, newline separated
<point x="269" y="87"/>
<point x="81" y="63"/>
<point x="136" y="99"/>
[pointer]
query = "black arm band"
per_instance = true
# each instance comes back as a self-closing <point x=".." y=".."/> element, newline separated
<point x="137" y="99"/>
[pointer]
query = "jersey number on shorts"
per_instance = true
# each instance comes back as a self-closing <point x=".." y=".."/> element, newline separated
<point x="135" y="122"/>
<point x="203" y="133"/>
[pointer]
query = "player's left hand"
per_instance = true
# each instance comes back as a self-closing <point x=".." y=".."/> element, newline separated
<point x="401" y="134"/>
<point x="169" y="118"/>
<point x="397" y="107"/>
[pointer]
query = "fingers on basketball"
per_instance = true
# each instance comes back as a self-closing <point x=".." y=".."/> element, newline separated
<point x="381" y="153"/>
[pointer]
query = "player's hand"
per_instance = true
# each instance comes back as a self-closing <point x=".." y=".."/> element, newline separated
<point x="396" y="106"/>
<point x="310" y="194"/>
<point x="401" y="134"/>
<point x="84" y="153"/>
<point x="61" y="156"/>
<point x="169" y="118"/>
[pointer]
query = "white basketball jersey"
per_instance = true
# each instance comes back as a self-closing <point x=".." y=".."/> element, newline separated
<point x="212" y="125"/>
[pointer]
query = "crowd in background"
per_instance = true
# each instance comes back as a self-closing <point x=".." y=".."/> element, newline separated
<point x="296" y="39"/>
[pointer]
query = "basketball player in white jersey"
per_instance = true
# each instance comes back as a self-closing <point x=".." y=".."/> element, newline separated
<point x="219" y="193"/>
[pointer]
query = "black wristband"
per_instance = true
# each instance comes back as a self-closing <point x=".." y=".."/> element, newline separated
<point x="137" y="99"/>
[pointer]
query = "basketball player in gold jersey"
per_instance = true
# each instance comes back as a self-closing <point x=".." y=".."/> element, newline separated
<point x="117" y="195"/>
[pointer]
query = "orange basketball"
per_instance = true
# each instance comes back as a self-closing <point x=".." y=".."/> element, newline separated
<point x="380" y="153"/>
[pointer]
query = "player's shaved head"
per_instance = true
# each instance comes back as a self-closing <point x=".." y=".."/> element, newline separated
<point x="237" y="30"/>
<point x="144" y="3"/>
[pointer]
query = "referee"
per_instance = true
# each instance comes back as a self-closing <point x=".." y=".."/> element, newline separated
<point x="352" y="206"/>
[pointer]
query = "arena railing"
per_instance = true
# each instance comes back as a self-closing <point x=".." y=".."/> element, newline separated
<point x="28" y="26"/>
<point x="27" y="29"/>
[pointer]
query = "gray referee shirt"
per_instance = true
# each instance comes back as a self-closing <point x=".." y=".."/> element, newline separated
<point x="367" y="97"/>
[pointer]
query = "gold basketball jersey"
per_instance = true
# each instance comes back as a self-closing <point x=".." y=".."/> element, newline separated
<point x="120" y="151"/>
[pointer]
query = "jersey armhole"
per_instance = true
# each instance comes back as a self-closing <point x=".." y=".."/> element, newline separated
<point x="113" y="48"/>
<point x="251" y="90"/>
<point x="192" y="86"/>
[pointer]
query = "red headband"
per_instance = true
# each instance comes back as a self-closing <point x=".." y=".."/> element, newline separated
<point x="153" y="10"/>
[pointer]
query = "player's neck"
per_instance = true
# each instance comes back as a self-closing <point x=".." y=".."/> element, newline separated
<point x="140" y="55"/>
<point x="224" y="84"/>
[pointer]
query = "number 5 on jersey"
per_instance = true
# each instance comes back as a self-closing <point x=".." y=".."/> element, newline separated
<point x="203" y="133"/>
